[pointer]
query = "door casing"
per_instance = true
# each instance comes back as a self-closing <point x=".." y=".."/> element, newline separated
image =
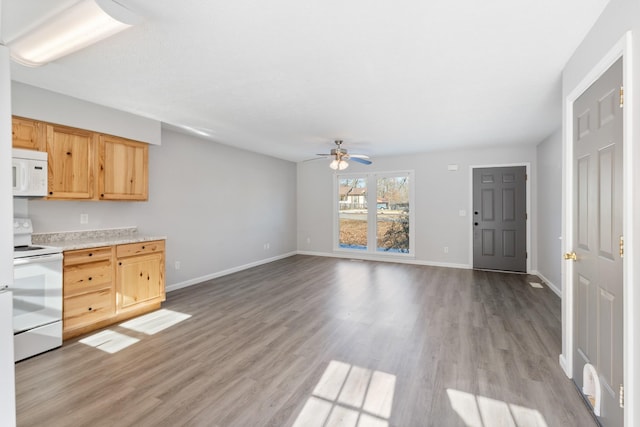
<point x="527" y="165"/>
<point x="630" y="319"/>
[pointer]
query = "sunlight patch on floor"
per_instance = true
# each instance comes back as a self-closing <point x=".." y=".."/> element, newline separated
<point x="481" y="411"/>
<point x="109" y="341"/>
<point x="349" y="396"/>
<point x="155" y="322"/>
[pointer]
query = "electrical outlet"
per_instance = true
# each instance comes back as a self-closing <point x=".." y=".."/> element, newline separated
<point x="84" y="218"/>
<point x="308" y="240"/>
<point x="177" y="264"/>
<point x="446" y="249"/>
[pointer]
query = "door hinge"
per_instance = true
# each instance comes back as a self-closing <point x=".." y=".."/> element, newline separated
<point x="526" y="216"/>
<point x="621" y="243"/>
<point x="621" y="396"/>
<point x="526" y="255"/>
<point x="621" y="96"/>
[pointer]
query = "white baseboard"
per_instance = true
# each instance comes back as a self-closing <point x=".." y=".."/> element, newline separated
<point x="556" y="290"/>
<point x="400" y="260"/>
<point x="564" y="366"/>
<point x="190" y="282"/>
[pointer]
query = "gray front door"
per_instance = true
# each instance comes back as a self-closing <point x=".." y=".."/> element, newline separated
<point x="500" y="218"/>
<point x="597" y="234"/>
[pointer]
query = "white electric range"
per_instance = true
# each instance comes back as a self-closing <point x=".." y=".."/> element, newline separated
<point x="37" y="293"/>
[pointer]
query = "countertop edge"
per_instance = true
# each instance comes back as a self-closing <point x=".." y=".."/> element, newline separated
<point x="71" y="245"/>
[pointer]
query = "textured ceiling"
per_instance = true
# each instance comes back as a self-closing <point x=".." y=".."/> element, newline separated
<point x="287" y="77"/>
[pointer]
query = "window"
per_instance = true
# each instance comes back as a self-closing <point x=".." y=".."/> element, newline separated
<point x="387" y="229"/>
<point x="353" y="213"/>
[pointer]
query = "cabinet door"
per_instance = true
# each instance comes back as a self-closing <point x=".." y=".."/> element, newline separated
<point x="27" y="134"/>
<point x="124" y="169"/>
<point x="140" y="280"/>
<point x="71" y="162"/>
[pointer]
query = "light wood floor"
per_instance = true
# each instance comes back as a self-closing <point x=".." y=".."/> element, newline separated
<point x="319" y="341"/>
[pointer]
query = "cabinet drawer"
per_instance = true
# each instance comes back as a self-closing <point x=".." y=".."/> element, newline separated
<point x="88" y="308"/>
<point x="140" y="248"/>
<point x="87" y="255"/>
<point x="85" y="277"/>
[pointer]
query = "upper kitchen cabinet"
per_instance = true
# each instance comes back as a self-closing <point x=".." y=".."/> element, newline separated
<point x="71" y="162"/>
<point x="27" y="134"/>
<point x="123" y="169"/>
<point x="84" y="164"/>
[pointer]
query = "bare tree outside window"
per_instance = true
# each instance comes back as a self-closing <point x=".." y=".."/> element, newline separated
<point x="353" y="213"/>
<point x="392" y="218"/>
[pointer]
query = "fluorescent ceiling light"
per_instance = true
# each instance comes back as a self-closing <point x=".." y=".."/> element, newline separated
<point x="77" y="27"/>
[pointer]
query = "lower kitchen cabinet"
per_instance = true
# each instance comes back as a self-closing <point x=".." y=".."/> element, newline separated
<point x="109" y="284"/>
<point x="140" y="274"/>
<point x="88" y="289"/>
<point x="88" y="309"/>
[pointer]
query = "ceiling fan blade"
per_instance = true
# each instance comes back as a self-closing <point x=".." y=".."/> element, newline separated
<point x="359" y="156"/>
<point x="316" y="158"/>
<point x="360" y="160"/>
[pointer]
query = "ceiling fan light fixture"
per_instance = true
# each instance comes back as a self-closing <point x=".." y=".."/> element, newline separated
<point x="338" y="164"/>
<point x="74" y="28"/>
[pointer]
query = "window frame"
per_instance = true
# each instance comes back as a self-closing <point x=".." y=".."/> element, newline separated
<point x="372" y="245"/>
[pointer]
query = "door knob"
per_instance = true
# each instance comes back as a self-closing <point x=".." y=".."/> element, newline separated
<point x="571" y="256"/>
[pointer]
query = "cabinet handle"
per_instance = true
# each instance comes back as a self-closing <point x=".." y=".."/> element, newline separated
<point x="119" y="263"/>
<point x="143" y="247"/>
<point x="51" y="193"/>
<point x="90" y="253"/>
<point x="90" y="309"/>
<point x="90" y="278"/>
<point x="102" y="195"/>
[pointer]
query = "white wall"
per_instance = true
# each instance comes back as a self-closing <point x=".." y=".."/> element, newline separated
<point x="618" y="17"/>
<point x="439" y="196"/>
<point x="7" y="383"/>
<point x="549" y="210"/>
<point x="217" y="205"/>
<point x="32" y="102"/>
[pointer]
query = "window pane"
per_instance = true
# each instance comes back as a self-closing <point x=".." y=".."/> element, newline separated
<point x="352" y="213"/>
<point x="392" y="214"/>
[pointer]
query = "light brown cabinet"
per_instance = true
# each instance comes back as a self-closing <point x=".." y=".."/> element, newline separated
<point x="106" y="285"/>
<point x="84" y="164"/>
<point x="140" y="274"/>
<point x="124" y="169"/>
<point x="71" y="162"/>
<point x="88" y="289"/>
<point x="27" y="134"/>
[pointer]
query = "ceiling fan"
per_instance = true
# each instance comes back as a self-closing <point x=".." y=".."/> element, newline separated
<point x="341" y="155"/>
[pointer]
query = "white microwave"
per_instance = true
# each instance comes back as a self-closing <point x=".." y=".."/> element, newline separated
<point x="29" y="170"/>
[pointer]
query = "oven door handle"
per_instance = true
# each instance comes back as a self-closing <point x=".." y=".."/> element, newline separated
<point x="37" y="258"/>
